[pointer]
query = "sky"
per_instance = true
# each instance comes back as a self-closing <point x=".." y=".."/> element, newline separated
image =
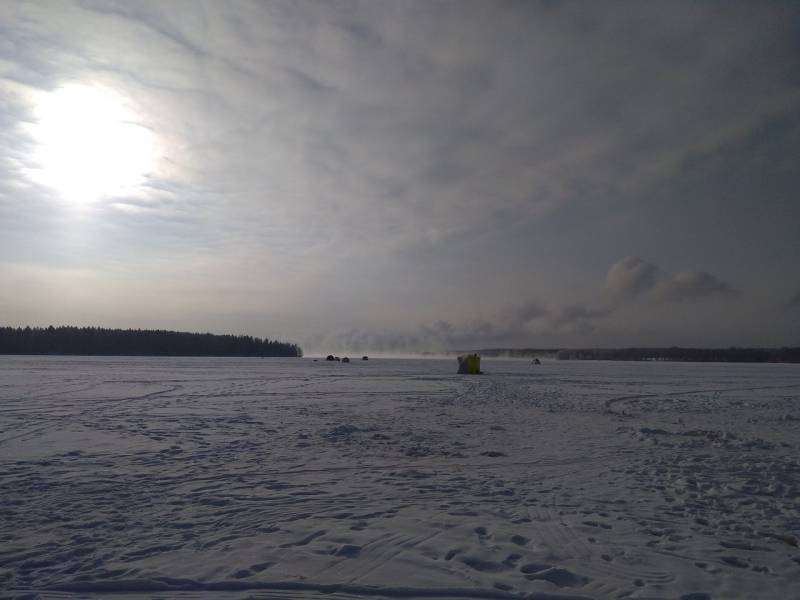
<point x="401" y="177"/>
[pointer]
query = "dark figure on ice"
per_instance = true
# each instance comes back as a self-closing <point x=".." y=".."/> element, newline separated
<point x="469" y="365"/>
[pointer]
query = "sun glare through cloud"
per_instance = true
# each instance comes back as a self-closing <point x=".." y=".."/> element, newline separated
<point x="90" y="144"/>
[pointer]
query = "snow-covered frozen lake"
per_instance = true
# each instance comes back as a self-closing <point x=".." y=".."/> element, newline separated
<point x="242" y="478"/>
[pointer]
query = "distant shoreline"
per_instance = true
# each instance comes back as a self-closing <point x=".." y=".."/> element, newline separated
<point x="670" y="354"/>
<point x="99" y="341"/>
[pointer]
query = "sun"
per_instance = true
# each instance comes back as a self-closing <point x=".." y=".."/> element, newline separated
<point x="90" y="144"/>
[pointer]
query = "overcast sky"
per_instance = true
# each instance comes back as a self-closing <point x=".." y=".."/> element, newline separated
<point x="412" y="175"/>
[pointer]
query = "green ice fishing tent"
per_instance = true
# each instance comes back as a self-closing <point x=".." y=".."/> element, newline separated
<point x="469" y="364"/>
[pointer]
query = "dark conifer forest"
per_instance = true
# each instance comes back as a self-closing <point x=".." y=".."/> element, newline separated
<point x="97" y="341"/>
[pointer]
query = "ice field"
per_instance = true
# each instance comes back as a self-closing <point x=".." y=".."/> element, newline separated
<point x="264" y="478"/>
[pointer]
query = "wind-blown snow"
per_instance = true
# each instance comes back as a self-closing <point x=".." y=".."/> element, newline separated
<point x="398" y="478"/>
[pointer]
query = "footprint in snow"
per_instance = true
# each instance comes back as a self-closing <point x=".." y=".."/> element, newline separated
<point x="451" y="553"/>
<point x="534" y="567"/>
<point x="520" y="540"/>
<point x="242" y="573"/>
<point x="560" y="577"/>
<point x="349" y="551"/>
<point x="486" y="566"/>
<point x="735" y="561"/>
<point x="511" y="560"/>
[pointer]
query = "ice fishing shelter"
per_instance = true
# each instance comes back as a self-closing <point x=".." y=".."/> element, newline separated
<point x="469" y="364"/>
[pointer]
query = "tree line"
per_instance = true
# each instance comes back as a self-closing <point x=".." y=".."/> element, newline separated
<point x="98" y="341"/>
<point x="754" y="355"/>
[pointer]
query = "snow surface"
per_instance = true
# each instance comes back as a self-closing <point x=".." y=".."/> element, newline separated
<point x="247" y="478"/>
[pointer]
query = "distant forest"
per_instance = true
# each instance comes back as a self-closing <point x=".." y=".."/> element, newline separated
<point x="96" y="341"/>
<point x="753" y="355"/>
<point x="750" y="355"/>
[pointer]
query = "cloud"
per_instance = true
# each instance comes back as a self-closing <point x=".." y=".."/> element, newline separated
<point x="532" y="318"/>
<point x="794" y="300"/>
<point x="691" y="285"/>
<point x="419" y="158"/>
<point x="573" y="314"/>
<point x="631" y="277"/>
<point x="389" y="105"/>
<point x="528" y="311"/>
